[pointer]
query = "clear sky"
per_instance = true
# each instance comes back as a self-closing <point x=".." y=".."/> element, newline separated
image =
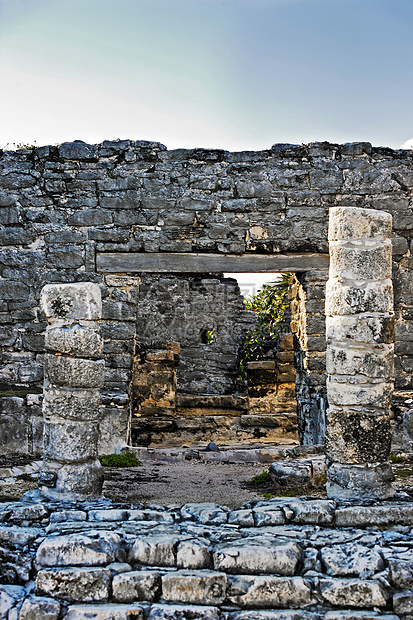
<point x="233" y="74"/>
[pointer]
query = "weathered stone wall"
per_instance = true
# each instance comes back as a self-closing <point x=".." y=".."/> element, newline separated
<point x="62" y="206"/>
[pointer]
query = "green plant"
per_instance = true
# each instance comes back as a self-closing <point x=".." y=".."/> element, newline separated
<point x="397" y="459"/>
<point x="269" y="305"/>
<point x="260" y="479"/>
<point x="119" y="460"/>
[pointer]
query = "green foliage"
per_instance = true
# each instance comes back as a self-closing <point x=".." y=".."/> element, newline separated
<point x="119" y="460"/>
<point x="269" y="305"/>
<point x="18" y="146"/>
<point x="397" y="459"/>
<point x="260" y="479"/>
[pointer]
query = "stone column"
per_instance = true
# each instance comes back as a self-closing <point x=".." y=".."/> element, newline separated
<point x="73" y="374"/>
<point x="360" y="352"/>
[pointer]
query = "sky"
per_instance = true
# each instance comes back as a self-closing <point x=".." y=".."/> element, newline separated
<point x="231" y="74"/>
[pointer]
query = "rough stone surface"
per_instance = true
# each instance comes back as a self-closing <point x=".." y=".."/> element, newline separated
<point x="95" y="549"/>
<point x="75" y="584"/>
<point x="269" y="591"/>
<point x="258" y="556"/>
<point x="136" y="586"/>
<point x="39" y="608"/>
<point x="196" y="587"/>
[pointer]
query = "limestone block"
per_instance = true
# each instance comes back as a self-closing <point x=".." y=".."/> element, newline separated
<point x="71" y="404"/>
<point x="107" y="611"/>
<point x="358" y="392"/>
<point x="193" y="554"/>
<point x="206" y="513"/>
<point x="356" y="223"/>
<point x="273" y="614"/>
<point x="268" y="515"/>
<point x="40" y="608"/>
<point x="358" y="615"/>
<point x="290" y="472"/>
<point x="154" y="550"/>
<point x="68" y="515"/>
<point x="17" y="536"/>
<point x="352" y="437"/>
<point x="314" y="512"/>
<point x="375" y="362"/>
<point x="353" y="592"/>
<point x="360" y="328"/>
<point x="76" y="340"/>
<point x="245" y="518"/>
<point x="360" y="260"/>
<point x="401" y="574"/>
<point x="354" y="298"/>
<point x="136" y="586"/>
<point x="109" y="514"/>
<point x="84" y="480"/>
<point x="254" y="556"/>
<point x="367" y="481"/>
<point x="197" y="587"/>
<point x="80" y="301"/>
<point x="351" y="559"/>
<point x="113" y="429"/>
<point x="34" y="512"/>
<point x="75" y="584"/>
<point x="178" y="612"/>
<point x="70" y="441"/>
<point x="254" y="591"/>
<point x="96" y="549"/>
<point x="74" y="372"/>
<point x="403" y="604"/>
<point x="9" y="596"/>
<point x="376" y="516"/>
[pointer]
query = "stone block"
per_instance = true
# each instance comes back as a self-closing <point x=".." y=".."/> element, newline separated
<point x="9" y="597"/>
<point x="401" y="574"/>
<point x="179" y="612"/>
<point x="351" y="560"/>
<point x="40" y="608"/>
<point x="361" y="261"/>
<point x="375" y="516"/>
<point x="371" y="361"/>
<point x="75" y="340"/>
<point x="273" y="614"/>
<point x="349" y="299"/>
<point x="193" y="554"/>
<point x="272" y="592"/>
<point x="74" y="372"/>
<point x="75" y="584"/>
<point x="70" y="441"/>
<point x="107" y="611"/>
<point x="157" y="550"/>
<point x="291" y="472"/>
<point x="357" y="436"/>
<point x="366" y="329"/>
<point x="17" y="536"/>
<point x="206" y="513"/>
<point x="359" y="394"/>
<point x="96" y="549"/>
<point x="268" y="515"/>
<point x="66" y="481"/>
<point x="136" y="586"/>
<point x="77" y="404"/>
<point x="356" y="614"/>
<point x="78" y="150"/>
<point x="353" y="593"/>
<point x="245" y="518"/>
<point x="90" y="217"/>
<point x="367" y="481"/>
<point x="79" y="301"/>
<point x="355" y="223"/>
<point x="204" y="587"/>
<point x="314" y="512"/>
<point x="254" y="556"/>
<point x="403" y="604"/>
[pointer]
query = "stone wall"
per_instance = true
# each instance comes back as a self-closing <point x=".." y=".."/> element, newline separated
<point x="63" y="208"/>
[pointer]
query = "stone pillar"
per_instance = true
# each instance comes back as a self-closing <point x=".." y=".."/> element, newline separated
<point x="360" y="352"/>
<point x="73" y="374"/>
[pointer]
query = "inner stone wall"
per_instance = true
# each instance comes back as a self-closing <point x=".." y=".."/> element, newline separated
<point x="62" y="206"/>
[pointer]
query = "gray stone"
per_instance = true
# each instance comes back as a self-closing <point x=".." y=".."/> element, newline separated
<point x="76" y="340"/>
<point x="104" y="612"/>
<point x="360" y="481"/>
<point x="183" y="612"/>
<point x="375" y="516"/>
<point x="259" y="555"/>
<point x="80" y="301"/>
<point x="358" y="615"/>
<point x="365" y="223"/>
<point x="68" y="515"/>
<point x="156" y="550"/>
<point x="193" y="554"/>
<point x="206" y="513"/>
<point x="244" y="518"/>
<point x="78" y="404"/>
<point x="290" y="472"/>
<point x="351" y="560"/>
<point x="273" y="614"/>
<point x="94" y="549"/>
<point x="75" y="584"/>
<point x="17" y="536"/>
<point x="403" y="604"/>
<point x="317" y="512"/>
<point x="9" y="596"/>
<point x="253" y="591"/>
<point x="74" y="372"/>
<point x="39" y="608"/>
<point x="136" y="586"/>
<point x="91" y="217"/>
<point x="78" y="150"/>
<point x="82" y="480"/>
<point x="401" y="574"/>
<point x="197" y="587"/>
<point x="353" y="592"/>
<point x="70" y="441"/>
<point x="268" y="515"/>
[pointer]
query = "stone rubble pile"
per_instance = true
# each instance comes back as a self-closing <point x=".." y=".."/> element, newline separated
<point x="285" y="558"/>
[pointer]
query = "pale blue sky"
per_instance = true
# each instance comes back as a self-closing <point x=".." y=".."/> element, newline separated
<point x="233" y="74"/>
